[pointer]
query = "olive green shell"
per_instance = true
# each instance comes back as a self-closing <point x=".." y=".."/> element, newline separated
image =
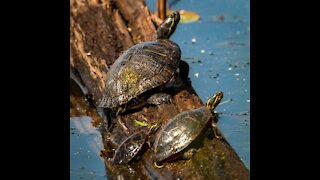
<point x="129" y="148"/>
<point x="180" y="131"/>
<point x="142" y="67"/>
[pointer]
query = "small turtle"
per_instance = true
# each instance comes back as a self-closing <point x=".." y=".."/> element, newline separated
<point x="130" y="147"/>
<point x="181" y="130"/>
<point x="142" y="71"/>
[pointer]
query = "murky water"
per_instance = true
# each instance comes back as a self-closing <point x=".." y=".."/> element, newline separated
<point x="217" y="48"/>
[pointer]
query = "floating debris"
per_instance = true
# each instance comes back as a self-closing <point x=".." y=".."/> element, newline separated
<point x="193" y="59"/>
<point x="210" y="53"/>
<point x="241" y="113"/>
<point x="229" y="100"/>
<point x="193" y="40"/>
<point x="228" y="43"/>
<point x="218" y="18"/>
<point x="215" y="76"/>
<point x="187" y="16"/>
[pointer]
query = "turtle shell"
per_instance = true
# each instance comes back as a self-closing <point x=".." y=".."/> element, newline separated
<point x="142" y="67"/>
<point x="129" y="148"/>
<point x="180" y="131"/>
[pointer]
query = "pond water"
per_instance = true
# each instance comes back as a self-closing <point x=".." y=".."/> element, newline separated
<point x="85" y="146"/>
<point x="217" y="48"/>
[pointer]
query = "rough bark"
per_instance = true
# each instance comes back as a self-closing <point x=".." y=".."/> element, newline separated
<point x="99" y="32"/>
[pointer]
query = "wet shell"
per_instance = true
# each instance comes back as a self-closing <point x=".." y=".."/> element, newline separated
<point x="142" y="67"/>
<point x="129" y="148"/>
<point x="180" y="131"/>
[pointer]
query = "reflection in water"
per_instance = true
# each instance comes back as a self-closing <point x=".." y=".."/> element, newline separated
<point x="85" y="146"/>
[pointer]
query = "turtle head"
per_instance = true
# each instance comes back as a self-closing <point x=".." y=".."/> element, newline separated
<point x="213" y="102"/>
<point x="168" y="26"/>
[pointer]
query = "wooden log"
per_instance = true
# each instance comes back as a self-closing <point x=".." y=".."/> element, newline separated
<point x="99" y="32"/>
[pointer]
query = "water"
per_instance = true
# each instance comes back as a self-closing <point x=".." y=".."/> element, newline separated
<point x="217" y="48"/>
<point x="85" y="146"/>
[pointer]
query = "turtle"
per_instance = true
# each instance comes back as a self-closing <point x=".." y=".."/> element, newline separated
<point x="184" y="128"/>
<point x="131" y="146"/>
<point x="143" y="71"/>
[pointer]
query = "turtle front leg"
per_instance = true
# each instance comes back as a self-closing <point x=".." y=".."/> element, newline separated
<point x="216" y="131"/>
<point x="107" y="119"/>
<point x="159" y="98"/>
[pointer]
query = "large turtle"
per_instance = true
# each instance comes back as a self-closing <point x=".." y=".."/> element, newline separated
<point x="182" y="129"/>
<point x="142" y="71"/>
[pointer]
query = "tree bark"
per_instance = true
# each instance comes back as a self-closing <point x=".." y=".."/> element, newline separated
<point x="99" y="32"/>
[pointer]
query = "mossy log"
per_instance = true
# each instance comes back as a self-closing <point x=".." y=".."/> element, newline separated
<point x="99" y="32"/>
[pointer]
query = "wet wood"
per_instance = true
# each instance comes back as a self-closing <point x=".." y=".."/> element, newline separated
<point x="99" y="32"/>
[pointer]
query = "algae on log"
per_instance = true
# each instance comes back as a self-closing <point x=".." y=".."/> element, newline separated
<point x="99" y="32"/>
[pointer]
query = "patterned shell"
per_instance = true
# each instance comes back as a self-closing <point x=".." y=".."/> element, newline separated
<point x="129" y="148"/>
<point x="142" y="67"/>
<point x="180" y="131"/>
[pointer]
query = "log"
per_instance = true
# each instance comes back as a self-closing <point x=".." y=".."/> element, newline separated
<point x="99" y="32"/>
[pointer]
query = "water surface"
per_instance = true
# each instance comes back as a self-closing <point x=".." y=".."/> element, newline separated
<point x="217" y="48"/>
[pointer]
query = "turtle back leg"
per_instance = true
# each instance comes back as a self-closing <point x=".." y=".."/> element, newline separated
<point x="159" y="98"/>
<point x="183" y="71"/>
<point x="180" y="77"/>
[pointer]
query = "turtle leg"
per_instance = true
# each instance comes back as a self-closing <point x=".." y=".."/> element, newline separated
<point x="120" y="110"/>
<point x="189" y="153"/>
<point x="180" y="77"/>
<point x="105" y="121"/>
<point x="184" y="72"/>
<point x="216" y="132"/>
<point x="159" y="98"/>
<point x="107" y="118"/>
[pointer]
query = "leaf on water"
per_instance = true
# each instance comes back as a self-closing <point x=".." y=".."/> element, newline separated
<point x="186" y="16"/>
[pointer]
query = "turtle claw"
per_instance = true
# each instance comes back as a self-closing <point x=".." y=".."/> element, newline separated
<point x="217" y="136"/>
